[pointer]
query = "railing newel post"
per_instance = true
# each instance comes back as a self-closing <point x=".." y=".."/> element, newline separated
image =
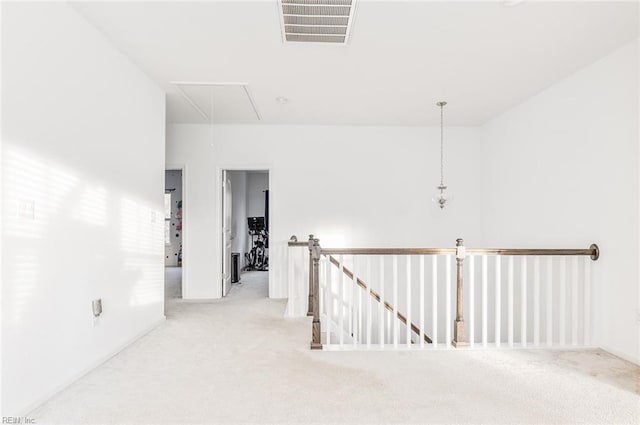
<point x="316" y="335"/>
<point x="459" y="335"/>
<point x="310" y="303"/>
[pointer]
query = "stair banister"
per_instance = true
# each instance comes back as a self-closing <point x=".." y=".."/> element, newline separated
<point x="459" y="335"/>
<point x="310" y="306"/>
<point x="316" y="343"/>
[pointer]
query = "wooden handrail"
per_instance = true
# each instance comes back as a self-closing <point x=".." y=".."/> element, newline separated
<point x="377" y="297"/>
<point x="593" y="251"/>
<point x="388" y="251"/>
<point x="296" y="243"/>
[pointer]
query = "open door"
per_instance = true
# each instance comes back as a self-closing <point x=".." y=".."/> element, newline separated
<point x="227" y="222"/>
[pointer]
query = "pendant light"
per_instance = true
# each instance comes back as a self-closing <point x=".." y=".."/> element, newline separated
<point x="442" y="198"/>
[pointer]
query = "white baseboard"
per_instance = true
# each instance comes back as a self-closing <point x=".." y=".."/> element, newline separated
<point x="41" y="400"/>
<point x="624" y="356"/>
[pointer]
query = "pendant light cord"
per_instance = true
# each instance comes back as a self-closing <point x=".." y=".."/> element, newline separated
<point x="441" y="143"/>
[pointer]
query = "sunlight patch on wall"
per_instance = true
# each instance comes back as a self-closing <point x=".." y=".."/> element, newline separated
<point x="92" y="208"/>
<point x="332" y="237"/>
<point x="35" y="190"/>
<point x="141" y="228"/>
<point x="25" y="275"/>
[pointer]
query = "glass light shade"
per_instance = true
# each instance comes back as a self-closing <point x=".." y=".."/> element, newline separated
<point x="442" y="198"/>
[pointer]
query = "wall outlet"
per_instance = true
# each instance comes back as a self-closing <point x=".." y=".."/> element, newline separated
<point x="96" y="307"/>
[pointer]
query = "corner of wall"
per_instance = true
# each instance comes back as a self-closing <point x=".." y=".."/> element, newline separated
<point x="1" y="229"/>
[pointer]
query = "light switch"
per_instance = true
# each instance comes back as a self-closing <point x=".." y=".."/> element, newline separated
<point x="27" y="209"/>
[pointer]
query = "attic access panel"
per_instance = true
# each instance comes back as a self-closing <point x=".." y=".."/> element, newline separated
<point x="220" y="103"/>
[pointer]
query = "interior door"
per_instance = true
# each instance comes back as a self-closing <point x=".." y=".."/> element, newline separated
<point x="227" y="222"/>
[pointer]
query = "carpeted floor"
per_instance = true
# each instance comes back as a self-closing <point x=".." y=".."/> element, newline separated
<point x="237" y="360"/>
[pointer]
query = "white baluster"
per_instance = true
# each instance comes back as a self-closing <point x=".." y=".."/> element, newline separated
<point x="587" y="301"/>
<point x="328" y="270"/>
<point x="472" y="300"/>
<point x="382" y="321"/>
<point x="510" y="301"/>
<point x="302" y="291"/>
<point x="396" y="327"/>
<point x="563" y="299"/>
<point x="368" y="295"/>
<point x="523" y="301"/>
<point x="321" y="285"/>
<point x="574" y="301"/>
<point x="408" y="257"/>
<point x="484" y="301"/>
<point x="349" y="307"/>
<point x="355" y="336"/>
<point x="549" y="292"/>
<point x="434" y="300"/>
<point x="421" y="336"/>
<point x="359" y="317"/>
<point x="498" y="300"/>
<point x="536" y="301"/>
<point x="448" y="318"/>
<point x="341" y="302"/>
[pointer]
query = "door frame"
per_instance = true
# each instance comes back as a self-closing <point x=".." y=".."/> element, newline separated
<point x="227" y="244"/>
<point x="220" y="212"/>
<point x="185" y="213"/>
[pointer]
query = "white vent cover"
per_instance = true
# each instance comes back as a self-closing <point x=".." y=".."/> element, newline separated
<point x="316" y="21"/>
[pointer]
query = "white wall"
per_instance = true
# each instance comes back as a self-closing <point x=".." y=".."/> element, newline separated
<point x="173" y="180"/>
<point x="369" y="186"/>
<point x="82" y="172"/>
<point x="561" y="170"/>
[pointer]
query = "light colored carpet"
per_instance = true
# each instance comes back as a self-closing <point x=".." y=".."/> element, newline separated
<point x="238" y="360"/>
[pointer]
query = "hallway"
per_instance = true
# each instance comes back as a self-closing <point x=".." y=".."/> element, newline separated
<point x="237" y="360"/>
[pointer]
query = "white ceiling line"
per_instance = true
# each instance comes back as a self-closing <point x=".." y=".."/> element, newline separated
<point x="282" y="24"/>
<point x="191" y="102"/>
<point x="253" y="104"/>
<point x="352" y="13"/>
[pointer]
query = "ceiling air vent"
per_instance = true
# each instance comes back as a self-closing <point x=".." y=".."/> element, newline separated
<point x="316" y="21"/>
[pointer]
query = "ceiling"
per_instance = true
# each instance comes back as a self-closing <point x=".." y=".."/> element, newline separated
<point x="402" y="57"/>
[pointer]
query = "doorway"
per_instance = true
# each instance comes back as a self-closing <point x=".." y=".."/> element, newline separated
<point x="245" y="231"/>
<point x="173" y="230"/>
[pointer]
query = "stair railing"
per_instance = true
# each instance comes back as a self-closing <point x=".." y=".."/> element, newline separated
<point x="332" y="303"/>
